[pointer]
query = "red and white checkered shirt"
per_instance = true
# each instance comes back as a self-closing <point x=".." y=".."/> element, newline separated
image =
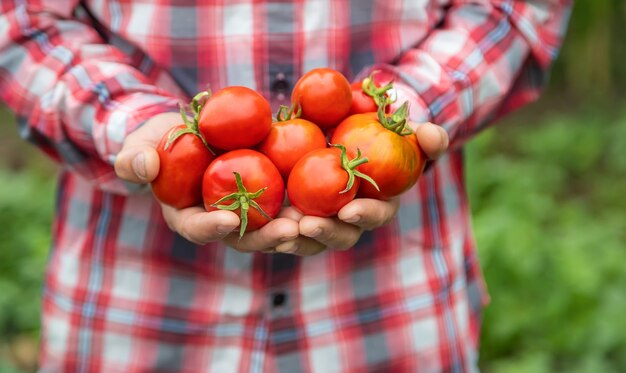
<point x="125" y="294"/>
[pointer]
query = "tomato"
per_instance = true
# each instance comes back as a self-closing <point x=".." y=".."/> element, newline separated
<point x="290" y="139"/>
<point x="234" y="118"/>
<point x="247" y="182"/>
<point x="183" y="158"/>
<point x="324" y="180"/>
<point x="325" y="96"/>
<point x="395" y="159"/>
<point x="361" y="101"/>
<point x="366" y="96"/>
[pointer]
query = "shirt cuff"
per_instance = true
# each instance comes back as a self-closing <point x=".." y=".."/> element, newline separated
<point x="129" y="114"/>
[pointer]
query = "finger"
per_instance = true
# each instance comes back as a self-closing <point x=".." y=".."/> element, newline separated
<point x="270" y="235"/>
<point x="333" y="233"/>
<point x="138" y="161"/>
<point x="301" y="246"/>
<point x="368" y="213"/>
<point x="139" y="164"/>
<point x="198" y="226"/>
<point x="433" y="139"/>
<point x="290" y="213"/>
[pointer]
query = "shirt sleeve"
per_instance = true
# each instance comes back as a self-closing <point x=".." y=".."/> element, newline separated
<point x="487" y="58"/>
<point x="74" y="95"/>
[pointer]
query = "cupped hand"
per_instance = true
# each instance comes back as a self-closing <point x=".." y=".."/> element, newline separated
<point x="342" y="232"/>
<point x="138" y="162"/>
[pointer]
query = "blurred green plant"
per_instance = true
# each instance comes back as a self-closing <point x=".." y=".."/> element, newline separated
<point x="25" y="216"/>
<point x="593" y="58"/>
<point x="26" y="204"/>
<point x="550" y="220"/>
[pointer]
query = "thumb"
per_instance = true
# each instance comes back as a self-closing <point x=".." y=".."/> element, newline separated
<point x="433" y="139"/>
<point x="138" y="161"/>
<point x="139" y="164"/>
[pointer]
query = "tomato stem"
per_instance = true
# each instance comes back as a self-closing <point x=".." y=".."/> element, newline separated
<point x="396" y="122"/>
<point x="242" y="200"/>
<point x="198" y="101"/>
<point x="285" y="113"/>
<point x="350" y="167"/>
<point x="378" y="94"/>
<point x="191" y="125"/>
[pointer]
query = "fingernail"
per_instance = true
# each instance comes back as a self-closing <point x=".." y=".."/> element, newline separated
<point x="293" y="249"/>
<point x="352" y="219"/>
<point x="224" y="229"/>
<point x="139" y="166"/>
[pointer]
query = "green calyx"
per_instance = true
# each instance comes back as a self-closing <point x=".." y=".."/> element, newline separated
<point x="191" y="124"/>
<point x="198" y="101"/>
<point x="396" y="122"/>
<point x="378" y="94"/>
<point x="242" y="200"/>
<point x="285" y="113"/>
<point x="350" y="167"/>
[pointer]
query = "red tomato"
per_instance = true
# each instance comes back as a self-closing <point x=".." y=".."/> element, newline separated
<point x="364" y="96"/>
<point x="325" y="96"/>
<point x="323" y="181"/>
<point x="260" y="185"/>
<point x="181" y="168"/>
<point x="289" y="140"/>
<point x="235" y="118"/>
<point x="395" y="159"/>
<point x="361" y="101"/>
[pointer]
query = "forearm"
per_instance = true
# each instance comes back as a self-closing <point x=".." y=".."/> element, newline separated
<point x="74" y="95"/>
<point x="486" y="58"/>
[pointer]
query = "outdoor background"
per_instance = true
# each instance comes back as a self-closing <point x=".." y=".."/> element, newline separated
<point x="548" y="193"/>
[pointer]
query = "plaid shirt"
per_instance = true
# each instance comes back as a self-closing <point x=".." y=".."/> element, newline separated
<point x="125" y="294"/>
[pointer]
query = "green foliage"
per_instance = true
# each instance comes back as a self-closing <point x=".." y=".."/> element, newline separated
<point x="26" y="204"/>
<point x="591" y="66"/>
<point x="25" y="218"/>
<point x="550" y="221"/>
<point x="550" y="213"/>
<point x="6" y="367"/>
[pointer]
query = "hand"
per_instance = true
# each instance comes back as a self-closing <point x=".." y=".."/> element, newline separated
<point x="138" y="162"/>
<point x="342" y="232"/>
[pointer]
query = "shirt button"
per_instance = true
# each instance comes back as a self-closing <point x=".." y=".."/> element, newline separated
<point x="278" y="299"/>
<point x="280" y="86"/>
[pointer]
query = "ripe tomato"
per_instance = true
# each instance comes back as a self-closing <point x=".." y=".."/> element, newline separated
<point x="366" y="96"/>
<point x="183" y="158"/>
<point x="247" y="182"/>
<point x="325" y="96"/>
<point x="290" y="139"/>
<point x="395" y="159"/>
<point x="234" y="118"/>
<point x="324" y="180"/>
